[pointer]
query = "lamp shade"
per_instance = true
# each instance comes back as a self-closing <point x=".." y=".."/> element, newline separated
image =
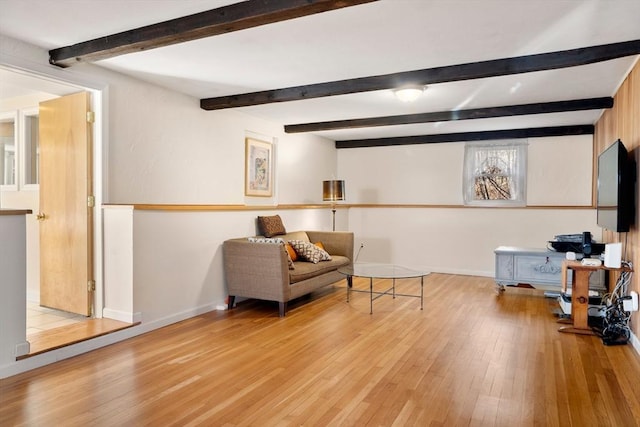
<point x="332" y="190"/>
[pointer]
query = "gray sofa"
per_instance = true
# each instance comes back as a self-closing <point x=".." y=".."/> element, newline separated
<point x="261" y="270"/>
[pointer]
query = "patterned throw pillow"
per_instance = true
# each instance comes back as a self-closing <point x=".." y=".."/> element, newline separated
<point x="278" y="241"/>
<point x="275" y="240"/>
<point x="324" y="253"/>
<point x="309" y="252"/>
<point x="270" y="226"/>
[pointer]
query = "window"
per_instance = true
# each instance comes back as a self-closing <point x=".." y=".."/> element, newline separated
<point x="30" y="150"/>
<point x="8" y="154"/>
<point x="494" y="173"/>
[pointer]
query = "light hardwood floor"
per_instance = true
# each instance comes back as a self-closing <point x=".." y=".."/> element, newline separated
<point x="470" y="358"/>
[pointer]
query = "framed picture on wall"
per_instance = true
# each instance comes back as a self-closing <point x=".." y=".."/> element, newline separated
<point x="258" y="168"/>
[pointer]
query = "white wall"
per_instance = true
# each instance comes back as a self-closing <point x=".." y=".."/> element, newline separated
<point x="559" y="173"/>
<point x="164" y="149"/>
<point x="456" y="239"/>
<point x="161" y="267"/>
<point x="13" y="324"/>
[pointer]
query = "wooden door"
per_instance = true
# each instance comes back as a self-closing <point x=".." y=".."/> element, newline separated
<point x="66" y="207"/>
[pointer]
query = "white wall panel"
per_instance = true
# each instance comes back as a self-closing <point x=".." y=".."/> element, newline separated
<point x="422" y="174"/>
<point x="559" y="173"/>
<point x="459" y="240"/>
<point x="164" y="149"/>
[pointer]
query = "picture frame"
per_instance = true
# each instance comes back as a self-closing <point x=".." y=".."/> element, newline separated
<point x="258" y="168"/>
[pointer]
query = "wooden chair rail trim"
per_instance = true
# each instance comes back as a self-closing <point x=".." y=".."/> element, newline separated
<point x="15" y="211"/>
<point x="230" y="208"/>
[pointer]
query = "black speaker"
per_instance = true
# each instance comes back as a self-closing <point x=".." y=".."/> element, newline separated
<point x="586" y="243"/>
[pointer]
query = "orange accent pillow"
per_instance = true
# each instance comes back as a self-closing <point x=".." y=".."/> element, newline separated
<point x="320" y="245"/>
<point x="292" y="253"/>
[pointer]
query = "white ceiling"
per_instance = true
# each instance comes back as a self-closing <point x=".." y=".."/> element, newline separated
<point x="371" y="39"/>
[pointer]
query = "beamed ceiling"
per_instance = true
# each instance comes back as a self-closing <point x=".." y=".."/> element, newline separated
<point x="493" y="69"/>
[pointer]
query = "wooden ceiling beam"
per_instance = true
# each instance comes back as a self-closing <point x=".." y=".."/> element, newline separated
<point x="444" y="116"/>
<point x="234" y="17"/>
<point x="449" y="73"/>
<point x="469" y="136"/>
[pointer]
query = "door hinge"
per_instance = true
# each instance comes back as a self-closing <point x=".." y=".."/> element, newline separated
<point x="91" y="285"/>
<point x="91" y="201"/>
<point x="91" y="117"/>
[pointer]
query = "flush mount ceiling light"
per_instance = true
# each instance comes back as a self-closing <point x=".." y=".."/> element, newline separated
<point x="409" y="93"/>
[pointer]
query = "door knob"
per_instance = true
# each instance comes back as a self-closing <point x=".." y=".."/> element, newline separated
<point x="40" y="216"/>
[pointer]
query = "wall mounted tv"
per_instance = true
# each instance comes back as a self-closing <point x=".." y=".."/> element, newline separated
<point x="616" y="188"/>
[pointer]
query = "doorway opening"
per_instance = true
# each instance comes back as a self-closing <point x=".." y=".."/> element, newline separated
<point x="22" y="93"/>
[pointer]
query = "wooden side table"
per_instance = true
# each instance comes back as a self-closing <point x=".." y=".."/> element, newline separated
<point x="580" y="294"/>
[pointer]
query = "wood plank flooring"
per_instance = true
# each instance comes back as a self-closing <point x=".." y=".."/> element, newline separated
<point x="51" y="339"/>
<point x="470" y="358"/>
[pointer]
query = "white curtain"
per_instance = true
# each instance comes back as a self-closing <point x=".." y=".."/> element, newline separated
<point x="495" y="173"/>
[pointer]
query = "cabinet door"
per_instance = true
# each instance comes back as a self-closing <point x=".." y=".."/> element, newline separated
<point x="504" y="267"/>
<point x="538" y="269"/>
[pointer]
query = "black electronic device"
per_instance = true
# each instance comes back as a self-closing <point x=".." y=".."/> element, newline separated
<point x="616" y="197"/>
<point x="579" y="243"/>
<point x="586" y="243"/>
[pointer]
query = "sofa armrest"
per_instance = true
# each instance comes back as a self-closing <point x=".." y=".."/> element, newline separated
<point x="334" y="242"/>
<point x="256" y="270"/>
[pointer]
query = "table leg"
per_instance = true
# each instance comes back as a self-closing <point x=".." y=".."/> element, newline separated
<point x="371" y="294"/>
<point x="421" y="291"/>
<point x="563" y="277"/>
<point x="579" y="304"/>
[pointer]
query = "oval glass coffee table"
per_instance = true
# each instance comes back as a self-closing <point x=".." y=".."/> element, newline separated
<point x="381" y="271"/>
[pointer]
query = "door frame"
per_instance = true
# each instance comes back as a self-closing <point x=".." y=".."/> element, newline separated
<point x="99" y="105"/>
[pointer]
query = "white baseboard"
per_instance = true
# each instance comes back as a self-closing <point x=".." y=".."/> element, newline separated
<point x="23" y="348"/>
<point x="122" y="316"/>
<point x="53" y="356"/>
<point x="635" y="343"/>
<point x="33" y="296"/>
<point x="460" y="272"/>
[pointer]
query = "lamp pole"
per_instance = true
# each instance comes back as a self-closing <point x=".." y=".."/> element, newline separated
<point x="333" y="210"/>
<point x="333" y="191"/>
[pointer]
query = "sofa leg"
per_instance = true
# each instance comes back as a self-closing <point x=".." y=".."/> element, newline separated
<point x="282" y="308"/>
<point x="232" y="300"/>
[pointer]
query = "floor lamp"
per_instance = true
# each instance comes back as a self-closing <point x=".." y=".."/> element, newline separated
<point x="333" y="191"/>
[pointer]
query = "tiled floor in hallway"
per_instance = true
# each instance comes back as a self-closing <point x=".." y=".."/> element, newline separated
<point x="41" y="318"/>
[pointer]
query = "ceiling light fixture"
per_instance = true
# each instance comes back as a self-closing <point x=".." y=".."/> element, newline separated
<point x="409" y="93"/>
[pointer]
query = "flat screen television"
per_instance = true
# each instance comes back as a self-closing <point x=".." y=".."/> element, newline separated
<point x="616" y="188"/>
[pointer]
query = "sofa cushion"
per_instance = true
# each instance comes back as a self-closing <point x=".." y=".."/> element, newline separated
<point x="270" y="226"/>
<point x="307" y="270"/>
<point x="309" y="252"/>
<point x="297" y="235"/>
<point x="278" y="241"/>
